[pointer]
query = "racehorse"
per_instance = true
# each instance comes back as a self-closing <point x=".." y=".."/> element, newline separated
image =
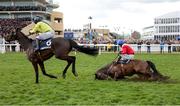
<point x="146" y="70"/>
<point x="60" y="47"/>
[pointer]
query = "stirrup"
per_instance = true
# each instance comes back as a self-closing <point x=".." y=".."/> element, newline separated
<point x="127" y="61"/>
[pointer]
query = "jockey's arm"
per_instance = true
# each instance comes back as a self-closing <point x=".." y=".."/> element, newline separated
<point x="35" y="29"/>
<point x="118" y="56"/>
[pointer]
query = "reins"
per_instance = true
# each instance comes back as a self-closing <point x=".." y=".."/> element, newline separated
<point x="112" y="64"/>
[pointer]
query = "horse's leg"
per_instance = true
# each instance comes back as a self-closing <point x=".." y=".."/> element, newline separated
<point x="35" y="65"/>
<point x="69" y="60"/>
<point x="41" y="64"/>
<point x="143" y="77"/>
<point x="115" y="76"/>
<point x="65" y="70"/>
<point x="73" y="66"/>
<point x="144" y="74"/>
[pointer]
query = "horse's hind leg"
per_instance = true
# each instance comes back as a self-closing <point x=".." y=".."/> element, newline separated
<point x="143" y="76"/>
<point x="73" y="66"/>
<point x="69" y="60"/>
<point x="41" y="64"/>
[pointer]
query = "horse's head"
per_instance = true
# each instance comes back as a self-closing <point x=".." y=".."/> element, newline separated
<point x="12" y="35"/>
<point x="102" y="73"/>
<point x="101" y="76"/>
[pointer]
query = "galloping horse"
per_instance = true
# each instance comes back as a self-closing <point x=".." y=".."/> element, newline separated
<point x="60" y="47"/>
<point x="146" y="70"/>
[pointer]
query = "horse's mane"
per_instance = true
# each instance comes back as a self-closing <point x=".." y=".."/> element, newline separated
<point x="18" y="30"/>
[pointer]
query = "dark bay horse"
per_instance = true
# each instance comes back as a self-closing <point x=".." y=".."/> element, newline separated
<point x="60" y="47"/>
<point x="146" y="70"/>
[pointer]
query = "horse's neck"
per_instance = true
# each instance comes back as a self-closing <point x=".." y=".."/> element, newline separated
<point x="24" y="41"/>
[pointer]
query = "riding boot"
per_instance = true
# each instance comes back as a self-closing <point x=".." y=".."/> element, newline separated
<point x="37" y="45"/>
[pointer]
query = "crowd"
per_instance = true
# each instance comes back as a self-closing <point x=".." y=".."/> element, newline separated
<point x="147" y="43"/>
<point x="104" y="40"/>
<point x="22" y="8"/>
<point x="99" y="40"/>
<point x="7" y="25"/>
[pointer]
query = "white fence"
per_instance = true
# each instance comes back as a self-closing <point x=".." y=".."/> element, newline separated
<point x="9" y="48"/>
<point x="103" y="48"/>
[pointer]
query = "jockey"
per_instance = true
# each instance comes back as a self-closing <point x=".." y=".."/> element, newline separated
<point x="43" y="29"/>
<point x="126" y="53"/>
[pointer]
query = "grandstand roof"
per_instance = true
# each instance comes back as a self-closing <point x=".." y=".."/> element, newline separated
<point x="26" y="0"/>
<point x="170" y="15"/>
<point x="42" y="1"/>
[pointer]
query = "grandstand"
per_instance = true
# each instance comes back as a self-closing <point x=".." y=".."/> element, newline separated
<point x="19" y="13"/>
<point x="166" y="27"/>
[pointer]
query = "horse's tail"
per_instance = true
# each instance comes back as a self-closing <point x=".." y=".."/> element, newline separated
<point x="153" y="67"/>
<point x="155" y="71"/>
<point x="86" y="50"/>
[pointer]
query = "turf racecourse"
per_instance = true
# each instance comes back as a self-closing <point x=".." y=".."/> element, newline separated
<point x="17" y="83"/>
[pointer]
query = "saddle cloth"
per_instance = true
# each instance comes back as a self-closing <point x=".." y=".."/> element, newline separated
<point x="43" y="44"/>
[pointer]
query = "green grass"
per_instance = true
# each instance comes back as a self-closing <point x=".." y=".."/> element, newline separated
<point x="17" y="83"/>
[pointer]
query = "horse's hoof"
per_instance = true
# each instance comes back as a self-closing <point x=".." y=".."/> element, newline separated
<point x="166" y="77"/>
<point x="64" y="76"/>
<point x="76" y="75"/>
<point x="55" y="77"/>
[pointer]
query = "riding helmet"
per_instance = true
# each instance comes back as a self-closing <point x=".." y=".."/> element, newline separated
<point x="37" y="19"/>
<point x="120" y="42"/>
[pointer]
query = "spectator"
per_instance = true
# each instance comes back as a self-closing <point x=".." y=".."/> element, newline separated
<point x="109" y="46"/>
<point x="169" y="46"/>
<point x="161" y="47"/>
<point x="148" y="47"/>
<point x="139" y="46"/>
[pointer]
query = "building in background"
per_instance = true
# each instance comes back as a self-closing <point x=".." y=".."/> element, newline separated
<point x="26" y="9"/>
<point x="148" y="33"/>
<point x="167" y="27"/>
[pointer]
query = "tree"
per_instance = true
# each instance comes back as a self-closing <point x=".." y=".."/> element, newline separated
<point x="136" y="35"/>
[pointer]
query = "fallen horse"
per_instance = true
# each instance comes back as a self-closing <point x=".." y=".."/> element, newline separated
<point x="145" y="70"/>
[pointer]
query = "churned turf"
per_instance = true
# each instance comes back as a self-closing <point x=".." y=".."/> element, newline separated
<point x="17" y="83"/>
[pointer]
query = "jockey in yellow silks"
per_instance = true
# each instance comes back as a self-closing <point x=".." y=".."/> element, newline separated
<point x="43" y="29"/>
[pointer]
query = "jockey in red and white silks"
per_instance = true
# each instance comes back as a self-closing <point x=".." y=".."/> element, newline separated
<point x="126" y="53"/>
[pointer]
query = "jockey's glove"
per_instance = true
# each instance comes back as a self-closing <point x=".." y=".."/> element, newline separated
<point x="31" y="32"/>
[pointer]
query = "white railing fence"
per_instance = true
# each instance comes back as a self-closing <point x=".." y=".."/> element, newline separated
<point x="9" y="48"/>
<point x="103" y="48"/>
